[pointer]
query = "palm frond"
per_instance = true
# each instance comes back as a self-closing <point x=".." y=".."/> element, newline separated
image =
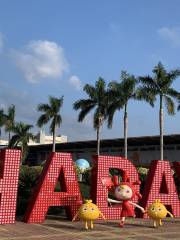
<point x="159" y="73"/>
<point x="84" y="112"/>
<point x="9" y="118"/>
<point x="146" y="94"/>
<point x="58" y="120"/>
<point x="113" y="85"/>
<point x="43" y="107"/>
<point x="13" y="141"/>
<point x="100" y="85"/>
<point x="147" y="81"/>
<point x="178" y="108"/>
<point x="43" y="119"/>
<point x="51" y="112"/>
<point x="110" y="113"/>
<point x="11" y="111"/>
<point x="169" y="105"/>
<point x="90" y="90"/>
<point x="173" y="93"/>
<point x="52" y="125"/>
<point x="2" y="117"/>
<point x="55" y="104"/>
<point x="98" y="119"/>
<point x="83" y="103"/>
<point x="173" y="74"/>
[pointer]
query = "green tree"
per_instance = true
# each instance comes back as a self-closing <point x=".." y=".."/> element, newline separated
<point x="10" y="120"/>
<point x="160" y="84"/>
<point x="178" y="108"/>
<point x="51" y="113"/>
<point x="97" y="100"/>
<point x="119" y="96"/>
<point x="2" y="119"/>
<point x="21" y="138"/>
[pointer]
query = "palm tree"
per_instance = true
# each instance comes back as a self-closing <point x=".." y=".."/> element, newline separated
<point x="97" y="100"/>
<point x="2" y="119"/>
<point x="9" y="120"/>
<point x="120" y="94"/>
<point x="178" y="108"/>
<point x="51" y="113"/>
<point x="160" y="85"/>
<point x="21" y="138"/>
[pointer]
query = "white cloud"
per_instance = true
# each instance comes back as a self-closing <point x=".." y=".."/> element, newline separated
<point x="39" y="60"/>
<point x="171" y="34"/>
<point x="75" y="82"/>
<point x="1" y="41"/>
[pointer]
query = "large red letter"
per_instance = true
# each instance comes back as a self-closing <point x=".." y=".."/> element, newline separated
<point x="176" y="166"/>
<point x="160" y="185"/>
<point x="9" y="172"/>
<point x="99" y="194"/>
<point x="58" y="166"/>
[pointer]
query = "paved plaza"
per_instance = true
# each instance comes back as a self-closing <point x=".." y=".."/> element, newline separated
<point x="57" y="228"/>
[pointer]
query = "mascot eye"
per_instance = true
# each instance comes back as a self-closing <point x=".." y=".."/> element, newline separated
<point x="127" y="191"/>
<point x="152" y="209"/>
<point x="160" y="209"/>
<point x="119" y="189"/>
<point x="85" y="209"/>
<point x="92" y="209"/>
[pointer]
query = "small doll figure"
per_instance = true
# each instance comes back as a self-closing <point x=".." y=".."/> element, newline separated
<point x="88" y="212"/>
<point x="124" y="192"/>
<point x="157" y="211"/>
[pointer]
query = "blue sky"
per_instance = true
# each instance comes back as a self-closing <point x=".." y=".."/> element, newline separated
<point x="55" y="47"/>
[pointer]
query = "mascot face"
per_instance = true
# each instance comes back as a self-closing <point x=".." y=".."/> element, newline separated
<point x="157" y="210"/>
<point x="123" y="192"/>
<point x="88" y="211"/>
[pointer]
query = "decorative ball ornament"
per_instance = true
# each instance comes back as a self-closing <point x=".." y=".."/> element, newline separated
<point x="82" y="164"/>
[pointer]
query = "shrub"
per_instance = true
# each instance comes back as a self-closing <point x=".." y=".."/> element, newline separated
<point x="142" y="176"/>
<point x="28" y="178"/>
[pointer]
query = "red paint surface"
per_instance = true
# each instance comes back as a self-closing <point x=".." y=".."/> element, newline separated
<point x="58" y="166"/>
<point x="9" y="173"/>
<point x="100" y="171"/>
<point x="160" y="185"/>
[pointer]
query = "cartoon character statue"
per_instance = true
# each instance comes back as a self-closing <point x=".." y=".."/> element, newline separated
<point x="157" y="211"/>
<point x="88" y="212"/>
<point x="124" y="192"/>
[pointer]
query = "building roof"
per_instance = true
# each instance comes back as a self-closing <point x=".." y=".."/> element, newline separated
<point x="117" y="142"/>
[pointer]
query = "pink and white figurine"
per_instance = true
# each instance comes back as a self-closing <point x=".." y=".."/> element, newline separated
<point x="124" y="192"/>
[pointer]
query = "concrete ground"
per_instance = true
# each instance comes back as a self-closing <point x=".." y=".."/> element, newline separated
<point x="57" y="228"/>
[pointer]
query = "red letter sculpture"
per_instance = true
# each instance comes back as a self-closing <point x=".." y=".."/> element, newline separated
<point x="58" y="166"/>
<point x="176" y="166"/>
<point x="160" y="185"/>
<point x="100" y="173"/>
<point x="9" y="172"/>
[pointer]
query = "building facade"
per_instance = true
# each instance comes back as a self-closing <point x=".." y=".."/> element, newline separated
<point x="42" y="138"/>
<point x="141" y="150"/>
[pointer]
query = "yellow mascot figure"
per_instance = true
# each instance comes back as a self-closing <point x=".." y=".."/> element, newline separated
<point x="157" y="211"/>
<point x="88" y="212"/>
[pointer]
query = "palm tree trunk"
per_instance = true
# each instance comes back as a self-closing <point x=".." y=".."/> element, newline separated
<point x="125" y="130"/>
<point x="54" y="139"/>
<point x="161" y="127"/>
<point x="98" y="140"/>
